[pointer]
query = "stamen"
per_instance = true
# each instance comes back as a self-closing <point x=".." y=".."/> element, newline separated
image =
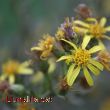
<point x="81" y="57"/>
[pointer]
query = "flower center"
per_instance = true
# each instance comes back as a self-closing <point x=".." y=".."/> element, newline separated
<point x="10" y="67"/>
<point x="81" y="57"/>
<point x="96" y="30"/>
<point x="46" y="43"/>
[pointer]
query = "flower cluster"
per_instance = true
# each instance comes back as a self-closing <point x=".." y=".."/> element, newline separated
<point x="45" y="46"/>
<point x="12" y="68"/>
<point x="80" y="57"/>
<point x="78" y="43"/>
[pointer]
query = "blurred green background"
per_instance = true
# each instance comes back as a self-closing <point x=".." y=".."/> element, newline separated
<point x="23" y="22"/>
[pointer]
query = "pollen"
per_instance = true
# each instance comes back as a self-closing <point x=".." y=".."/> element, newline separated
<point x="81" y="57"/>
<point x="97" y="30"/>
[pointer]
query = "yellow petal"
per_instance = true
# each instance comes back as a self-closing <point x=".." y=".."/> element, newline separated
<point x="97" y="64"/>
<point x="80" y="30"/>
<point x="103" y="21"/>
<point x="85" y="41"/>
<point x="36" y="48"/>
<point x="70" y="43"/>
<point x="102" y="45"/>
<point x="106" y="37"/>
<point x="92" y="20"/>
<point x="11" y="79"/>
<point x="93" y="69"/>
<point x="107" y="29"/>
<point x="64" y="58"/>
<point x="52" y="65"/>
<point x="70" y="72"/>
<point x="38" y="77"/>
<point x="73" y="76"/>
<point x="3" y="76"/>
<point x="88" y="76"/>
<point x="95" y="49"/>
<point x="25" y="71"/>
<point x="25" y="64"/>
<point x="81" y="23"/>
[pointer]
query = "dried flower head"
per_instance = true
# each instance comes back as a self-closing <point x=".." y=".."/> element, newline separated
<point x="104" y="58"/>
<point x="63" y="86"/>
<point x="45" y="46"/>
<point x="4" y="86"/>
<point x="66" y="31"/>
<point x="83" y="10"/>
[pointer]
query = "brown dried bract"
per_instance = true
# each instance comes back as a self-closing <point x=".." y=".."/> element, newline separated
<point x="4" y="85"/>
<point x="84" y="83"/>
<point x="63" y="86"/>
<point x="104" y="58"/>
<point x="83" y="11"/>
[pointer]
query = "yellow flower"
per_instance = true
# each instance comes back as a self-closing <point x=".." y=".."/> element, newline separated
<point x="13" y="67"/>
<point x="104" y="58"/>
<point x="24" y="106"/>
<point x="45" y="46"/>
<point x="92" y="27"/>
<point x="81" y="58"/>
<point x="60" y="34"/>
